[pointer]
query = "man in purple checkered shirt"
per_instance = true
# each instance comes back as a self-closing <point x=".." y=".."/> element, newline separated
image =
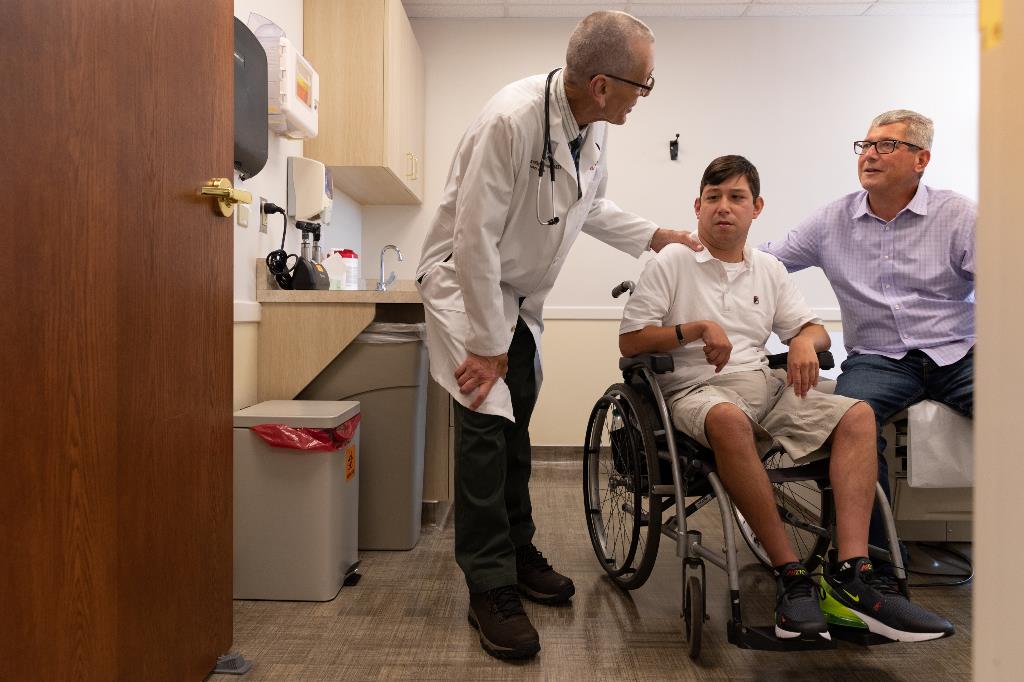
<point x="900" y="257"/>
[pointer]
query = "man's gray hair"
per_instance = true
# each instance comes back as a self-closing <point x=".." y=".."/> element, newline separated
<point x="920" y="129"/>
<point x="601" y="43"/>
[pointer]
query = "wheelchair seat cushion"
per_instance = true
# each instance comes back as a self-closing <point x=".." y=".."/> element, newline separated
<point x="800" y="425"/>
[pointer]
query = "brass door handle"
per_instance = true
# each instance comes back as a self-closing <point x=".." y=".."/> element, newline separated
<point x="226" y="195"/>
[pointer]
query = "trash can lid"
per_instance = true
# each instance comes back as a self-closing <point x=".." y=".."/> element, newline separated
<point x="317" y="414"/>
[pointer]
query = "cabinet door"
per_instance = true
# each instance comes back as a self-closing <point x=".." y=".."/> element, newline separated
<point x="397" y="157"/>
<point x="412" y="106"/>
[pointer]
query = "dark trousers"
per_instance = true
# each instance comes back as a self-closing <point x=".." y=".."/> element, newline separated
<point x="891" y="386"/>
<point x="493" y="514"/>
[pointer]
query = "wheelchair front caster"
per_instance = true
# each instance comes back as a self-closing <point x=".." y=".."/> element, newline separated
<point x="693" y="615"/>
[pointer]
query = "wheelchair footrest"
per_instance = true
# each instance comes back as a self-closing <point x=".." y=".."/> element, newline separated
<point x="764" y="639"/>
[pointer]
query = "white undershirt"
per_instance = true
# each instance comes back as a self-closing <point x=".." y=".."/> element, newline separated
<point x="733" y="270"/>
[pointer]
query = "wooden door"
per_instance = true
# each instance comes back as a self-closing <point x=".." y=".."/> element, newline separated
<point x="115" y="340"/>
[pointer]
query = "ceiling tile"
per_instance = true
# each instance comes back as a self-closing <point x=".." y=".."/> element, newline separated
<point x="808" y="10"/>
<point x="732" y="9"/>
<point x="561" y="9"/>
<point x="452" y="2"/>
<point x="434" y="11"/>
<point x="922" y="9"/>
<point x="452" y="9"/>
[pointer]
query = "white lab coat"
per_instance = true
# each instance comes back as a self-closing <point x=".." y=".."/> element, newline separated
<point x="485" y="249"/>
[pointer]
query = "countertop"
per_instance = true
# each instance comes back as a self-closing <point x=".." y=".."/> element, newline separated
<point x="400" y="291"/>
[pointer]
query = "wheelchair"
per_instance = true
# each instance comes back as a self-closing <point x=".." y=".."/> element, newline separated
<point x="637" y="469"/>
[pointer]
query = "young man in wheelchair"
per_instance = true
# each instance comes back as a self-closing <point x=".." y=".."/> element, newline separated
<point x="714" y="311"/>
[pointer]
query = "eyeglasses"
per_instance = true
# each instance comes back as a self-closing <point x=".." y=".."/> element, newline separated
<point x="881" y="146"/>
<point x="645" y="89"/>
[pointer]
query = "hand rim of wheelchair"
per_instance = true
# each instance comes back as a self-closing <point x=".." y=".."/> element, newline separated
<point x="635" y="433"/>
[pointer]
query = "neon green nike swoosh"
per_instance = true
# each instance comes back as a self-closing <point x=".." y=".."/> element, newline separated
<point x="856" y="599"/>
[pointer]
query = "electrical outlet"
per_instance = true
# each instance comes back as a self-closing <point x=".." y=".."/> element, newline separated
<point x="263" y="218"/>
<point x="242" y="215"/>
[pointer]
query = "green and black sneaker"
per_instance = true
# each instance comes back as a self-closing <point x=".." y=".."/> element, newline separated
<point x="796" y="612"/>
<point x="876" y="601"/>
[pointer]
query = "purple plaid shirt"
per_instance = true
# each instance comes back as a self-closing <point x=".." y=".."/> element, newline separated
<point x="901" y="285"/>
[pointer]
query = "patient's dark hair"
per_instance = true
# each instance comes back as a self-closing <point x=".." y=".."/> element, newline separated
<point x="725" y="167"/>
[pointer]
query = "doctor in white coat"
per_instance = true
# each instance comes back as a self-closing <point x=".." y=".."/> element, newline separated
<point x="527" y="177"/>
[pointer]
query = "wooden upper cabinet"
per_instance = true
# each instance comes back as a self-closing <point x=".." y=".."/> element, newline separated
<point x="371" y="98"/>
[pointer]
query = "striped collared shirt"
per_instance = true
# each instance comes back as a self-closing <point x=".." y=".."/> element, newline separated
<point x="569" y="125"/>
<point x="902" y="285"/>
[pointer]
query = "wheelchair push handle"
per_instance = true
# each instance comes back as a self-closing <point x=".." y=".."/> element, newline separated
<point x="623" y="287"/>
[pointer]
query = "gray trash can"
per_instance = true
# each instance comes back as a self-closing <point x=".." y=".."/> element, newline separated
<point x="385" y="369"/>
<point x="296" y="512"/>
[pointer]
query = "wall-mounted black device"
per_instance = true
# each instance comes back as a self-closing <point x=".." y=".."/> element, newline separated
<point x="250" y="102"/>
<point x="673" y="148"/>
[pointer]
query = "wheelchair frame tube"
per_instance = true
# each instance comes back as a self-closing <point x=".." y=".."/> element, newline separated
<point x="725" y="507"/>
<point x="682" y="550"/>
<point x="895" y="555"/>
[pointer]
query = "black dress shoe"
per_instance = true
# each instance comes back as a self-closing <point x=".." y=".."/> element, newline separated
<point x="538" y="581"/>
<point x="505" y="629"/>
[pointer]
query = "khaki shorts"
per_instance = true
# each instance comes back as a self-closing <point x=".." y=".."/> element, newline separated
<point x="800" y="425"/>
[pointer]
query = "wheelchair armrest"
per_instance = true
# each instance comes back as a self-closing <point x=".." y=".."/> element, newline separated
<point x="780" y="360"/>
<point x="659" y="363"/>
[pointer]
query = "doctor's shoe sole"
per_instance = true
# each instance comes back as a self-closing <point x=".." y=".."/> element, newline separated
<point x="527" y="650"/>
<point x="562" y="597"/>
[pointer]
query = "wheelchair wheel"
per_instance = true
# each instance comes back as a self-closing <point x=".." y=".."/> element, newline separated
<point x="617" y="484"/>
<point x="693" y="615"/>
<point x="809" y="517"/>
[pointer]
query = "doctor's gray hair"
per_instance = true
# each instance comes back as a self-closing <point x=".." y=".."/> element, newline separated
<point x="920" y="129"/>
<point x="601" y="43"/>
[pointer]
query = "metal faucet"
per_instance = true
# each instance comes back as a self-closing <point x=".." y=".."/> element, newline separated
<point x="382" y="284"/>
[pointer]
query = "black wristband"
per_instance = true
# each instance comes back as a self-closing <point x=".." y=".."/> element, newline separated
<point x="679" y="333"/>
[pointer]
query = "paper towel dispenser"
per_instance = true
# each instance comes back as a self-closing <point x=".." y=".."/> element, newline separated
<point x="250" y="102"/>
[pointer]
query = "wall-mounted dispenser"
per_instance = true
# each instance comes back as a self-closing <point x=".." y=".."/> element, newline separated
<point x="310" y="190"/>
<point x="673" y="148"/>
<point x="250" y="103"/>
<point x="293" y="85"/>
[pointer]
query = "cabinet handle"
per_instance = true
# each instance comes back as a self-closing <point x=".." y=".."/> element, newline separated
<point x="409" y="165"/>
<point x="415" y="167"/>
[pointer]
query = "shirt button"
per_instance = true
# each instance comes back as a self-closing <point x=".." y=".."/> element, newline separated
<point x="886" y="286"/>
<point x="886" y="257"/>
<point x="897" y="306"/>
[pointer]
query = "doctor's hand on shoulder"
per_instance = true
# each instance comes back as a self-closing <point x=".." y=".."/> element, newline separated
<point x="663" y="237"/>
<point x="480" y="372"/>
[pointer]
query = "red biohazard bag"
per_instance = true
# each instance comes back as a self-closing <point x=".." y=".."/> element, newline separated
<point x="308" y="439"/>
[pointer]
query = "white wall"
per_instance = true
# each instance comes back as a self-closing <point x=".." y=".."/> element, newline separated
<point x="344" y="231"/>
<point x="790" y="94"/>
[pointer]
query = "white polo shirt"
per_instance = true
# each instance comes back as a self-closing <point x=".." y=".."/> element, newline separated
<point x="679" y="285"/>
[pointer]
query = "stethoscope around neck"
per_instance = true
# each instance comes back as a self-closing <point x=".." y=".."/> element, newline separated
<point x="546" y="157"/>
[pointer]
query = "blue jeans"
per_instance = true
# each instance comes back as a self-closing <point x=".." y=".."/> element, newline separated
<point x="891" y="386"/>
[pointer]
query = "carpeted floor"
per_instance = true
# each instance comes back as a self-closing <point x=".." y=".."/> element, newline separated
<point x="406" y="619"/>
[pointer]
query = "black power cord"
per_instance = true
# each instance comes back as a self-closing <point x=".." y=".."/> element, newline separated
<point x="277" y="261"/>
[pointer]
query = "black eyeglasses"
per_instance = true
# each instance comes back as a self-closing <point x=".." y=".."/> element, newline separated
<point x="881" y="146"/>
<point x="645" y="89"/>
